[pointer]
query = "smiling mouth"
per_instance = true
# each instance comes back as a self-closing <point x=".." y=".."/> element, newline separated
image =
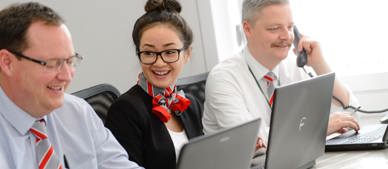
<point x="161" y="73"/>
<point x="56" y="88"/>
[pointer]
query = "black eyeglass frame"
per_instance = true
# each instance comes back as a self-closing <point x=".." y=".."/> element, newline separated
<point x="157" y="54"/>
<point x="44" y="63"/>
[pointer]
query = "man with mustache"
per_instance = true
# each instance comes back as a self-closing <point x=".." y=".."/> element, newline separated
<point x="237" y="89"/>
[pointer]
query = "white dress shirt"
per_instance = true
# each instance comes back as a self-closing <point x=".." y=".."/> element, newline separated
<point x="74" y="130"/>
<point x="233" y="96"/>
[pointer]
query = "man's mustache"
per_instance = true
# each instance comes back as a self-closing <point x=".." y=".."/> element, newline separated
<point x="281" y="44"/>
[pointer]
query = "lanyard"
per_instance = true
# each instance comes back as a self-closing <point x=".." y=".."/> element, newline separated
<point x="261" y="89"/>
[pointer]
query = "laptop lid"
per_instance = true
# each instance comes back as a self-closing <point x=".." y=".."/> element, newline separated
<point x="229" y="149"/>
<point x="369" y="137"/>
<point x="299" y="122"/>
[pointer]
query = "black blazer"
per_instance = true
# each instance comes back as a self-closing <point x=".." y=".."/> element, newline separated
<point x="143" y="135"/>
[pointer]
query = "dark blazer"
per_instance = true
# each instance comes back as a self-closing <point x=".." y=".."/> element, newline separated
<point x="143" y="135"/>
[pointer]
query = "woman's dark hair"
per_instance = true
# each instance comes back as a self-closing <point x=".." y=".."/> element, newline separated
<point x="162" y="12"/>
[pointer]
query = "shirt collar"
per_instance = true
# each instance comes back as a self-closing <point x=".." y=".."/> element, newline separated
<point x="257" y="68"/>
<point x="19" y="119"/>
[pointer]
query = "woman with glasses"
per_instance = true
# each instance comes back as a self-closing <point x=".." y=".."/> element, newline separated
<point x="153" y="119"/>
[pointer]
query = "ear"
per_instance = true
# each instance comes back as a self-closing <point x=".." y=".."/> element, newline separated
<point x="6" y="61"/>
<point x="247" y="27"/>
<point x="187" y="54"/>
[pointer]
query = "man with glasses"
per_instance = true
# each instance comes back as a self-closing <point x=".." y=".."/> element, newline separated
<point x="40" y="125"/>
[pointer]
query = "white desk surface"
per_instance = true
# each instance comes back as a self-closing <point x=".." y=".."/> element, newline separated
<point x="370" y="159"/>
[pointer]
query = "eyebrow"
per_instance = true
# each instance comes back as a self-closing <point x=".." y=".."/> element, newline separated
<point x="165" y="45"/>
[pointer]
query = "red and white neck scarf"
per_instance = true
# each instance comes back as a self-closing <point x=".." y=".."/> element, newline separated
<point x="164" y="100"/>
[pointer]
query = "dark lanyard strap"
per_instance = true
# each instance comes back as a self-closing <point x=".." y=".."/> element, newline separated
<point x="261" y="89"/>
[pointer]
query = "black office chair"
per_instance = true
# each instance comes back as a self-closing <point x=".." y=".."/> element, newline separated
<point x="100" y="97"/>
<point x="194" y="85"/>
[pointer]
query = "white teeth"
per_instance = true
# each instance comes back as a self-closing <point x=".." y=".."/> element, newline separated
<point x="58" y="88"/>
<point x="161" y="72"/>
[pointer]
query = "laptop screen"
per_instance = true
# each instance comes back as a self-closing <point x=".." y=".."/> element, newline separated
<point x="229" y="149"/>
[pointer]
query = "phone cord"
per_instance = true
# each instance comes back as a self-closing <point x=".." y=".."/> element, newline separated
<point x="355" y="109"/>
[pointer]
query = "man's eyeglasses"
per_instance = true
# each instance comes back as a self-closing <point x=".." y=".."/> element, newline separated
<point x="53" y="64"/>
<point x="168" y="56"/>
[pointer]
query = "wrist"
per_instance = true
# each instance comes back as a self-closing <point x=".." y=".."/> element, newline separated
<point x="321" y="68"/>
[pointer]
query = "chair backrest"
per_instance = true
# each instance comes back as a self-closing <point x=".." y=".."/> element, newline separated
<point x="100" y="97"/>
<point x="194" y="85"/>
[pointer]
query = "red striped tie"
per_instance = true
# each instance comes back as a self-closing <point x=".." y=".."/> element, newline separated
<point x="47" y="159"/>
<point x="270" y="79"/>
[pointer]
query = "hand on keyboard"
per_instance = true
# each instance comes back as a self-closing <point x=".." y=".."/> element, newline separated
<point x="339" y="122"/>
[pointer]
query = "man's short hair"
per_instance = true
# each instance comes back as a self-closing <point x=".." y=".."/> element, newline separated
<point x="252" y="7"/>
<point x="17" y="18"/>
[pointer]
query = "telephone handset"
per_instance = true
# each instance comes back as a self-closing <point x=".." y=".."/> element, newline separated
<point x="301" y="58"/>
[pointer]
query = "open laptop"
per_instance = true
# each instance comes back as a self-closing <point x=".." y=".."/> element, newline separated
<point x="229" y="149"/>
<point x="299" y="120"/>
<point x="372" y="136"/>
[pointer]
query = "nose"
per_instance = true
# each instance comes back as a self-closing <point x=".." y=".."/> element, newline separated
<point x="66" y="72"/>
<point x="286" y="34"/>
<point x="159" y="61"/>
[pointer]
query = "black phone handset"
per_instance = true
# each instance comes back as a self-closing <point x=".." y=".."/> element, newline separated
<point x="301" y="61"/>
<point x="301" y="58"/>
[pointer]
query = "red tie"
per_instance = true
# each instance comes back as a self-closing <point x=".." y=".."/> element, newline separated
<point x="270" y="79"/>
<point x="47" y="159"/>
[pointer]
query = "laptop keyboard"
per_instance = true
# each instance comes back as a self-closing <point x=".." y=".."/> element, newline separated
<point x="359" y="138"/>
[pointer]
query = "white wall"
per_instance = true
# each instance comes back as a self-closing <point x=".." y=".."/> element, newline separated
<point x="226" y="19"/>
<point x="101" y="32"/>
<point x="371" y="89"/>
<point x="352" y="34"/>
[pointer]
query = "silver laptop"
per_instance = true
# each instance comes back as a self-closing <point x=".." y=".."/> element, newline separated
<point x="229" y="149"/>
<point x="369" y="137"/>
<point x="299" y="120"/>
